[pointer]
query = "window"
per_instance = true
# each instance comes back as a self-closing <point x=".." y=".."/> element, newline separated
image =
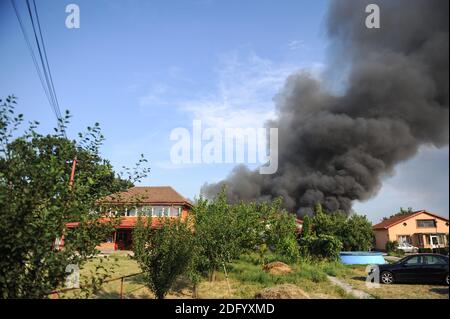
<point x="434" y="260"/>
<point x="434" y="240"/>
<point x="132" y="212"/>
<point x="404" y="239"/>
<point x="58" y="241"/>
<point x="147" y="210"/>
<point x="161" y="211"/>
<point x="426" y="223"/>
<point x="414" y="260"/>
<point x="175" y="211"/>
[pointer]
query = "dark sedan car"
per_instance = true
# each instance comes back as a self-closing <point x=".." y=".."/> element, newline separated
<point x="418" y="268"/>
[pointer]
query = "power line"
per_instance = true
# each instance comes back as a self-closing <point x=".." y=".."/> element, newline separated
<point x="46" y="71"/>
<point x="27" y="40"/>
<point x="46" y="60"/>
<point x="47" y="85"/>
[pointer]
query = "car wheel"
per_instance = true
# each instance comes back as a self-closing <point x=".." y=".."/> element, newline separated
<point x="446" y="280"/>
<point x="387" y="278"/>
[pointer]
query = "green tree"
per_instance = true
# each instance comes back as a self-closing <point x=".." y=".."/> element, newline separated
<point x="216" y="234"/>
<point x="357" y="234"/>
<point x="280" y="231"/>
<point x="354" y="231"/>
<point x="402" y="212"/>
<point x="320" y="247"/>
<point x="36" y="203"/>
<point x="164" y="252"/>
<point x="307" y="227"/>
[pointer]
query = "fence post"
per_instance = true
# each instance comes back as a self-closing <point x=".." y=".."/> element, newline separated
<point x="121" y="288"/>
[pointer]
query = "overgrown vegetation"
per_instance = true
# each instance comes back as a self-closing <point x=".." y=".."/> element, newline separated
<point x="223" y="232"/>
<point x="326" y="234"/>
<point x="163" y="252"/>
<point x="401" y="212"/>
<point x="219" y="234"/>
<point x="36" y="202"/>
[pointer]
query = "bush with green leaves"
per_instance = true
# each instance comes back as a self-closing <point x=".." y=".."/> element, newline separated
<point x="280" y="231"/>
<point x="218" y="234"/>
<point x="223" y="232"/>
<point x="354" y="232"/>
<point x="36" y="203"/>
<point x="320" y="247"/>
<point x="391" y="246"/>
<point x="163" y="252"/>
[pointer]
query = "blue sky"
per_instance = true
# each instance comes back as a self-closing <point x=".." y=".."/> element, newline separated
<point x="143" y="68"/>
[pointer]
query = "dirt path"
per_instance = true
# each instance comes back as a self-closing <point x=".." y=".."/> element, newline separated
<point x="349" y="289"/>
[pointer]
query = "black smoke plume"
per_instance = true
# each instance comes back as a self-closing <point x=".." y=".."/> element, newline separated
<point x="335" y="148"/>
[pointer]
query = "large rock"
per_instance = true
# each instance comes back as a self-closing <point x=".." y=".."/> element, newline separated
<point x="277" y="268"/>
<point x="285" y="291"/>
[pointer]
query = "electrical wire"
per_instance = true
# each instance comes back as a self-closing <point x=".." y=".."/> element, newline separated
<point x="44" y="71"/>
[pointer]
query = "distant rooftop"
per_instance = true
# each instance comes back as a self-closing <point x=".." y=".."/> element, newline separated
<point x="385" y="224"/>
<point x="148" y="195"/>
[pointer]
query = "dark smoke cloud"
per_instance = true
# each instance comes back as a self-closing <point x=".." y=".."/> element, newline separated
<point x="337" y="148"/>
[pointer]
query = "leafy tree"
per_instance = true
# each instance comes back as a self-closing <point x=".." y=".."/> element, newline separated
<point x="280" y="232"/>
<point x="321" y="246"/>
<point x="248" y="224"/>
<point x="216" y="234"/>
<point x="164" y="253"/>
<point x="357" y="234"/>
<point x="307" y="227"/>
<point x="354" y="231"/>
<point x="329" y="224"/>
<point x="402" y="212"/>
<point x="36" y="203"/>
<point x="223" y="232"/>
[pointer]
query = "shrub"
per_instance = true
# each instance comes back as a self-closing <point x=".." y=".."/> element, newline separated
<point x="163" y="253"/>
<point x="354" y="232"/>
<point x="442" y="251"/>
<point x="223" y="232"/>
<point x="280" y="234"/>
<point x="391" y="246"/>
<point x="321" y="246"/>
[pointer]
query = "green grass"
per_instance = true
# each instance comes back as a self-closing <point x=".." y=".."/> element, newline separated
<point x="246" y="278"/>
<point x="309" y="276"/>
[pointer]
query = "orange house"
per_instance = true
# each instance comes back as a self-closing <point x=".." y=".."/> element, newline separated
<point x="421" y="229"/>
<point x="155" y="201"/>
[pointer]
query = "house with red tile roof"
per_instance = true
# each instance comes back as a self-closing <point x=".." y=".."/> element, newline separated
<point x="420" y="228"/>
<point x="155" y="201"/>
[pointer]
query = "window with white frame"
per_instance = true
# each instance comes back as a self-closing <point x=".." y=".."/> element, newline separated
<point x="132" y="212"/>
<point x="147" y="210"/>
<point x="404" y="239"/>
<point x="161" y="211"/>
<point x="175" y="211"/>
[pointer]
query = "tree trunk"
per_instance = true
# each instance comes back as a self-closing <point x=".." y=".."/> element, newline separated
<point x="195" y="291"/>
<point x="212" y="275"/>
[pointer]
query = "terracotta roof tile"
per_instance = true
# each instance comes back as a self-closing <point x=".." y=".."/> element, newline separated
<point x="148" y="195"/>
<point x="385" y="224"/>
